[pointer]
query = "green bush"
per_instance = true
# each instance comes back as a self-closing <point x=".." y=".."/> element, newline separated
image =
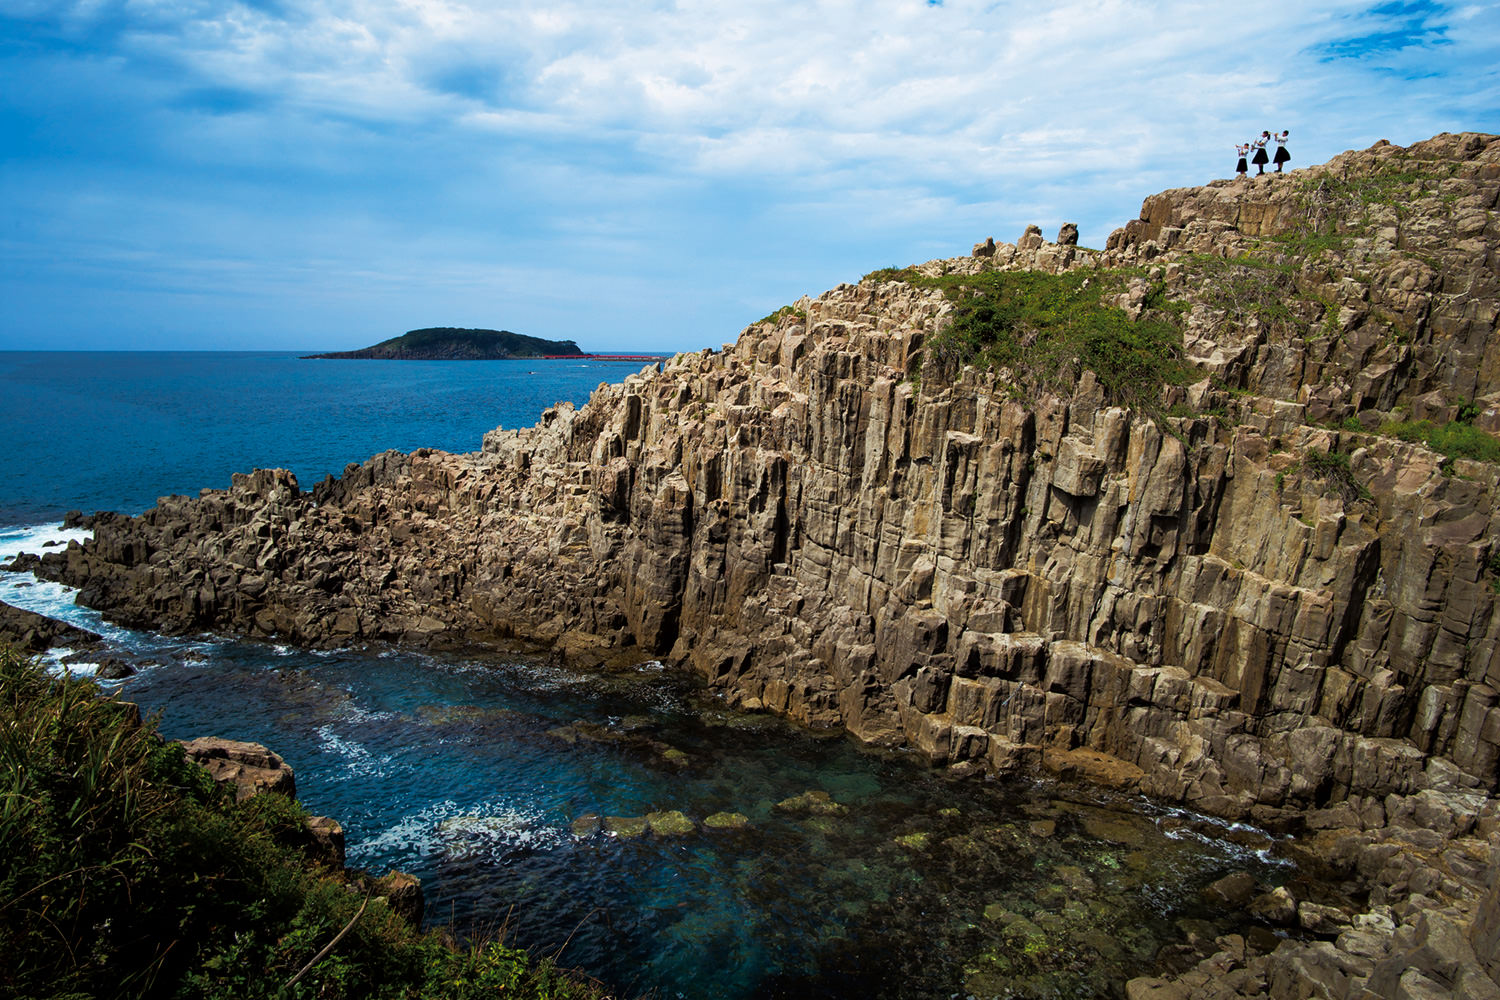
<point x="1455" y="440"/>
<point x="1047" y="329"/>
<point x="126" y="873"/>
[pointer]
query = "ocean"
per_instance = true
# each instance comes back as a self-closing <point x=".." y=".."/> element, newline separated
<point x="115" y="430"/>
<point x="471" y="771"/>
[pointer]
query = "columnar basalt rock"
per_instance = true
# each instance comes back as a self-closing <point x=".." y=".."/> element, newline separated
<point x="1185" y="602"/>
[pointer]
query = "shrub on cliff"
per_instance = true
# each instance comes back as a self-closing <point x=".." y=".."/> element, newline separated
<point x="124" y="872"/>
<point x="1047" y="329"/>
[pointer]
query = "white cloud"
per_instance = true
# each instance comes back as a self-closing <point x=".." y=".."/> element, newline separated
<point x="626" y="129"/>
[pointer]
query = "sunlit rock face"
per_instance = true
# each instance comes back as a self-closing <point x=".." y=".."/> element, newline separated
<point x="983" y="572"/>
<point x="1254" y="590"/>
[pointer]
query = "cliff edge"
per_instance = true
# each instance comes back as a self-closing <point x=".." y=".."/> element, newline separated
<point x="1210" y="514"/>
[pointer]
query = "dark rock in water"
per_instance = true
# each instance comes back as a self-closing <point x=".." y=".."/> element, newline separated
<point x="113" y="669"/>
<point x="1236" y="889"/>
<point x="249" y="767"/>
<point x="73" y="519"/>
<point x="34" y="633"/>
<point x="587" y="825"/>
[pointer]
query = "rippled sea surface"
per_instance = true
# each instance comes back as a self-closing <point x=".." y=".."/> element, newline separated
<point x="114" y="430"/>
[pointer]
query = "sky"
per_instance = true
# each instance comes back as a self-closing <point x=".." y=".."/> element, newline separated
<point x="325" y="174"/>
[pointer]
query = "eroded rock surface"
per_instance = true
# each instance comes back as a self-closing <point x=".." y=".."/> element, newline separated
<point x="1198" y="603"/>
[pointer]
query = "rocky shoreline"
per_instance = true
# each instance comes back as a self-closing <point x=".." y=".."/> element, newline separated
<point x="1264" y="600"/>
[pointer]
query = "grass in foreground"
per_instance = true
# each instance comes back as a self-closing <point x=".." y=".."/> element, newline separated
<point x="124" y="872"/>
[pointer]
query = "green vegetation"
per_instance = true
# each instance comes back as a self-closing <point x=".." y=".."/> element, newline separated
<point x="780" y="314"/>
<point x="1046" y="329"/>
<point x="127" y="873"/>
<point x="446" y="343"/>
<point x="1455" y="439"/>
<point x="1332" y="469"/>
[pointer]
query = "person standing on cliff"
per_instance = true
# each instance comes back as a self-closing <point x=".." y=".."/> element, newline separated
<point x="1282" y="156"/>
<point x="1240" y="168"/>
<point x="1260" y="159"/>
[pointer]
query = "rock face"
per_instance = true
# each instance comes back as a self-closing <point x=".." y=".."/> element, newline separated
<point x="249" y="767"/>
<point x="36" y="633"/>
<point x="1263" y="600"/>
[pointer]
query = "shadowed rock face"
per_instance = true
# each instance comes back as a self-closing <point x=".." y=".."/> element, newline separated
<point x="1188" y="604"/>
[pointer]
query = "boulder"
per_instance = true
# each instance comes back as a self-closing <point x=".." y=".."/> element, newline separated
<point x="248" y="768"/>
<point x="403" y="894"/>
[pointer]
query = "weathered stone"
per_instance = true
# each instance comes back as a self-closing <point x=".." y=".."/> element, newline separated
<point x="247" y="767"/>
<point x="1235" y="889"/>
<point x="327" y="836"/>
<point x="726" y="821"/>
<point x="403" y="894"/>
<point x="1276" y="907"/>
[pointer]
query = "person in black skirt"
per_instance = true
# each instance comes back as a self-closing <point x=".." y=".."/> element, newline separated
<point x="1260" y="159"/>
<point x="1244" y="150"/>
<point x="1282" y="156"/>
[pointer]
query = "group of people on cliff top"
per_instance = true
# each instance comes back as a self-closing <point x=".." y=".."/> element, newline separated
<point x="1260" y="159"/>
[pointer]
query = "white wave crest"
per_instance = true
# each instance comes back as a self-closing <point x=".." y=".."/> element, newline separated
<point x="491" y="830"/>
<point x="358" y="761"/>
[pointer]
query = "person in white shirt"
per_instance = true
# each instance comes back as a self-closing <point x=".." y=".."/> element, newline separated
<point x="1282" y="156"/>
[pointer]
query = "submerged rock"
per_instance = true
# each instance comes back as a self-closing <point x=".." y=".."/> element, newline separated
<point x="670" y="824"/>
<point x="625" y="827"/>
<point x="815" y="802"/>
<point x="727" y="821"/>
<point x="586" y="825"/>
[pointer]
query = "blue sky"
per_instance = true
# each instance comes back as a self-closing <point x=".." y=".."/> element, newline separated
<point x="324" y="174"/>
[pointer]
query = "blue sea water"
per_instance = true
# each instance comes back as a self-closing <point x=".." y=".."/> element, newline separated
<point x="115" y="430"/>
<point x="471" y="770"/>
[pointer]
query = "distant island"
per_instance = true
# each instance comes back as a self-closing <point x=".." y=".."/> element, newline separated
<point x="447" y="343"/>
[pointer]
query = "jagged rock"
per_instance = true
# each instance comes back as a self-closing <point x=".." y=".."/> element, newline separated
<point x="113" y="668"/>
<point x="403" y="894"/>
<point x="248" y="767"/>
<point x="35" y="633"/>
<point x="993" y="578"/>
<point x="327" y="840"/>
<point x="1067" y="236"/>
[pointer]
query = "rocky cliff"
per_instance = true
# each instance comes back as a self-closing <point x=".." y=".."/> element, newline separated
<point x="1224" y="531"/>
